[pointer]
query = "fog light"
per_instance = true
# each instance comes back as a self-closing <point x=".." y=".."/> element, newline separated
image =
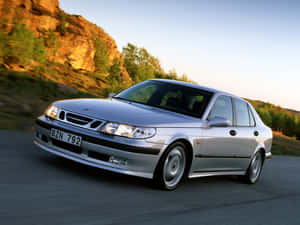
<point x="38" y="135"/>
<point x="117" y="161"/>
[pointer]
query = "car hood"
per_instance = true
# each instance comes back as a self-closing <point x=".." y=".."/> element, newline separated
<point x="129" y="113"/>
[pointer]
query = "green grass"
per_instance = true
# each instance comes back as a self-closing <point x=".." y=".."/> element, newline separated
<point x="283" y="145"/>
<point x="24" y="96"/>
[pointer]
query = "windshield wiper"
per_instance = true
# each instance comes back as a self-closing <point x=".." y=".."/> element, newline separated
<point x="122" y="99"/>
<point x="116" y="97"/>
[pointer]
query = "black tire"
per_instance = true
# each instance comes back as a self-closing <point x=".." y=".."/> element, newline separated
<point x="171" y="168"/>
<point x="255" y="168"/>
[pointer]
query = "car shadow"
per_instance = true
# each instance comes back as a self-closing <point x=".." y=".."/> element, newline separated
<point x="92" y="174"/>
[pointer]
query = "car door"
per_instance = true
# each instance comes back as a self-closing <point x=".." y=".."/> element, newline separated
<point x="247" y="132"/>
<point x="221" y="148"/>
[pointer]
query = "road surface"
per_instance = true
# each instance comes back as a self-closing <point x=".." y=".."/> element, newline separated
<point x="38" y="188"/>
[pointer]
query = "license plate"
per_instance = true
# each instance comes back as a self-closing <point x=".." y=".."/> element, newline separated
<point x="65" y="137"/>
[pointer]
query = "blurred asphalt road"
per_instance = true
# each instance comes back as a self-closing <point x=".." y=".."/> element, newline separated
<point x="38" y="188"/>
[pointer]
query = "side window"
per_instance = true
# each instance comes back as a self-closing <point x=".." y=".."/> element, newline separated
<point x="252" y="121"/>
<point x="242" y="113"/>
<point x="222" y="108"/>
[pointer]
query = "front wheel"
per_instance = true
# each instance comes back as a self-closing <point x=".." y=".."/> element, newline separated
<point x="255" y="168"/>
<point x="171" y="167"/>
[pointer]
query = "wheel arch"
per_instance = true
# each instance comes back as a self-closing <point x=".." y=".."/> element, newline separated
<point x="189" y="148"/>
<point x="262" y="149"/>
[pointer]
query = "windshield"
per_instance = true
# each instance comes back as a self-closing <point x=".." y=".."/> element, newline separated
<point x="172" y="97"/>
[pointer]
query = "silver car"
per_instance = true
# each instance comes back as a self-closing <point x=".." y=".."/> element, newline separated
<point x="160" y="129"/>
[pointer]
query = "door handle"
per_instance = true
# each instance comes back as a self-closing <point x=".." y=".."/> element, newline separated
<point x="256" y="133"/>
<point x="232" y="132"/>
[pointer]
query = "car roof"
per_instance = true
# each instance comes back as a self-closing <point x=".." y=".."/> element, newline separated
<point x="214" y="91"/>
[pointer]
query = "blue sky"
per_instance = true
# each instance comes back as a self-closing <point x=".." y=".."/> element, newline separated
<point x="249" y="48"/>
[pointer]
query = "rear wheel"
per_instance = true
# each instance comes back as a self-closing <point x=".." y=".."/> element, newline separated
<point x="171" y="167"/>
<point x="255" y="168"/>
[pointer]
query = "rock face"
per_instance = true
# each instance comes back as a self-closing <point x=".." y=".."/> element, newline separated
<point x="75" y="45"/>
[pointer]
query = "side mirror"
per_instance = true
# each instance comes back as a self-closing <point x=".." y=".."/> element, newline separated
<point x="218" y="122"/>
<point x="111" y="95"/>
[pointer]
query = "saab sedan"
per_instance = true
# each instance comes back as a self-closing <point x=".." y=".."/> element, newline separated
<point x="162" y="130"/>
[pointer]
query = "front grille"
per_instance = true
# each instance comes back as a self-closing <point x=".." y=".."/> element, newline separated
<point x="76" y="119"/>
<point x="99" y="156"/>
<point x="96" y="124"/>
<point x="62" y="115"/>
<point x="66" y="146"/>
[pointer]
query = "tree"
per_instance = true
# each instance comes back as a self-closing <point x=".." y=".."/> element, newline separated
<point x="265" y="116"/>
<point x="278" y="121"/>
<point x="140" y="64"/>
<point x="298" y="130"/>
<point x="184" y="78"/>
<point x="130" y="54"/>
<point x="172" y="75"/>
<point x="288" y="128"/>
<point x="114" y="77"/>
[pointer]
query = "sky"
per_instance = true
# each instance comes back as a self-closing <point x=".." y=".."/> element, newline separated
<point x="248" y="48"/>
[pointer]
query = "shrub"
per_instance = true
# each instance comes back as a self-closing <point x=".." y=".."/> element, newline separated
<point x="39" y="52"/>
<point x="101" y="56"/>
<point x="3" y="41"/>
<point x="50" y="39"/>
<point x="21" y="46"/>
<point x="62" y="26"/>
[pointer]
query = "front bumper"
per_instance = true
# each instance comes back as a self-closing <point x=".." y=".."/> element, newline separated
<point x="141" y="157"/>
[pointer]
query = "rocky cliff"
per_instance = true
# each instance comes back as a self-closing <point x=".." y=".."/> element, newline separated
<point x="74" y="36"/>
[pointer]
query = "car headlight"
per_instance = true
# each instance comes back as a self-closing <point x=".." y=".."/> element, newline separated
<point x="52" y="112"/>
<point x="128" y="131"/>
